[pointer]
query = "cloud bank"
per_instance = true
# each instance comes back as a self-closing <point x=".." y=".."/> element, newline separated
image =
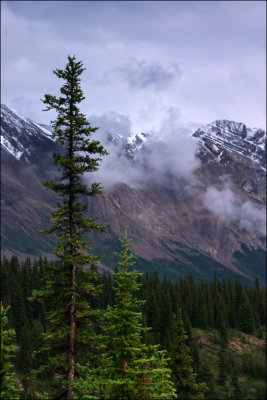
<point x="111" y="122"/>
<point x="224" y="204"/>
<point x="146" y="75"/>
<point x="167" y="157"/>
<point x="220" y="47"/>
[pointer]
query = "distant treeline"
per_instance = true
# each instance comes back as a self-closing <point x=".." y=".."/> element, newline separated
<point x="220" y="305"/>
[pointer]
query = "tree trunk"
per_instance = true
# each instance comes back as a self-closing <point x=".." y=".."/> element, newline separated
<point x="71" y="360"/>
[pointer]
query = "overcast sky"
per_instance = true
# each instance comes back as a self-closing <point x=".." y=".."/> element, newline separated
<point x="205" y="60"/>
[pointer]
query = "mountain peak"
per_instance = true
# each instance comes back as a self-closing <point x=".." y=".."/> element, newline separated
<point x="129" y="145"/>
<point x="168" y="221"/>
<point x="234" y="138"/>
<point x="218" y="141"/>
<point x="20" y="135"/>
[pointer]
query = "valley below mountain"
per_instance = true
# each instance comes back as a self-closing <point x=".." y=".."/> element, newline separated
<point x="211" y="220"/>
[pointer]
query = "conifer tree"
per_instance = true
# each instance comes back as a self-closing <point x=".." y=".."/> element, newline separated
<point x="207" y="375"/>
<point x="235" y="384"/>
<point x="222" y="376"/>
<point x="181" y="362"/>
<point x="246" y="320"/>
<point x="8" y="389"/>
<point x="130" y="369"/>
<point x="66" y="281"/>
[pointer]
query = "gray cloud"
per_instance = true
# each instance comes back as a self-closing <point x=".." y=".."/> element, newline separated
<point x="220" y="47"/>
<point x="146" y="75"/>
<point x="225" y="204"/>
<point x="167" y="157"/>
<point x="111" y="123"/>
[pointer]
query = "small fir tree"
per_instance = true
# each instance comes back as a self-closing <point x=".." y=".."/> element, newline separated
<point x="66" y="282"/>
<point x="246" y="320"/>
<point x="181" y="362"/>
<point x="206" y="374"/>
<point x="222" y="376"/>
<point x="130" y="369"/>
<point x="235" y="384"/>
<point x="8" y="387"/>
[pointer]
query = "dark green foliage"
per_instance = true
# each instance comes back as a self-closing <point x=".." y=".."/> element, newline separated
<point x="246" y="320"/>
<point x="186" y="294"/>
<point x="261" y="392"/>
<point x="222" y="369"/>
<point x="24" y="357"/>
<point x="252" y="368"/>
<point x="235" y="384"/>
<point x="8" y="385"/>
<point x="130" y="369"/>
<point x="206" y="375"/>
<point x="66" y="283"/>
<point x="181" y="362"/>
<point x="260" y="333"/>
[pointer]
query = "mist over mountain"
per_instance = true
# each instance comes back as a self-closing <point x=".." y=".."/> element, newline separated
<point x="193" y="200"/>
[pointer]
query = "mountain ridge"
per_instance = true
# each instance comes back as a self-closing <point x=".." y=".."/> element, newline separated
<point x="166" y="224"/>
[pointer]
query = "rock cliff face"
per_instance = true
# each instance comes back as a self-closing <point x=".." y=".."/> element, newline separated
<point x="215" y="221"/>
<point x="223" y="138"/>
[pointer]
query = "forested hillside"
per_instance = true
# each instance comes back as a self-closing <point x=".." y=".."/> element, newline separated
<point x="224" y="322"/>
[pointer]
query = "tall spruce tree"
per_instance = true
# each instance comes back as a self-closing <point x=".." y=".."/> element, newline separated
<point x="130" y="369"/>
<point x="67" y="282"/>
<point x="181" y="362"/>
<point x="8" y="385"/>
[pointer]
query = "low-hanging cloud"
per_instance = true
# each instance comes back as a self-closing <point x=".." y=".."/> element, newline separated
<point x="167" y="155"/>
<point x="168" y="158"/>
<point x="112" y="122"/>
<point x="225" y="204"/>
<point x="148" y="75"/>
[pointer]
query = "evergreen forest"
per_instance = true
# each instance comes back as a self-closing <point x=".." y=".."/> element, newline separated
<point x="223" y="328"/>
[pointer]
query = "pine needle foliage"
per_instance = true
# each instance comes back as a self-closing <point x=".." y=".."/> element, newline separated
<point x="8" y="385"/>
<point x="130" y="369"/>
<point x="183" y="375"/>
<point x="67" y="283"/>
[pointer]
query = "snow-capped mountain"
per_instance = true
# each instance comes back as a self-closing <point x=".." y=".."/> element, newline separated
<point x="21" y="137"/>
<point x="129" y="145"/>
<point x="169" y="226"/>
<point x="222" y="138"/>
<point x="216" y="140"/>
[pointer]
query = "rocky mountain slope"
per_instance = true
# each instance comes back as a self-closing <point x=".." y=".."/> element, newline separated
<point x="212" y="222"/>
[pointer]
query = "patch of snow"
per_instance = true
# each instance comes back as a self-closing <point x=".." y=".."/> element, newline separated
<point x="11" y="149"/>
<point x="220" y="156"/>
<point x="19" y="115"/>
<point x="131" y="139"/>
<point x="215" y="148"/>
<point x="45" y="131"/>
<point x="142" y="137"/>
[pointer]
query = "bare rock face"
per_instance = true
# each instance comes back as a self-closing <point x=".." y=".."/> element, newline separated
<point x="230" y="148"/>
<point x="214" y="222"/>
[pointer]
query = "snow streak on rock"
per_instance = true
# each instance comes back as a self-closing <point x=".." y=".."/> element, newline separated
<point x="18" y="133"/>
<point x="222" y="137"/>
